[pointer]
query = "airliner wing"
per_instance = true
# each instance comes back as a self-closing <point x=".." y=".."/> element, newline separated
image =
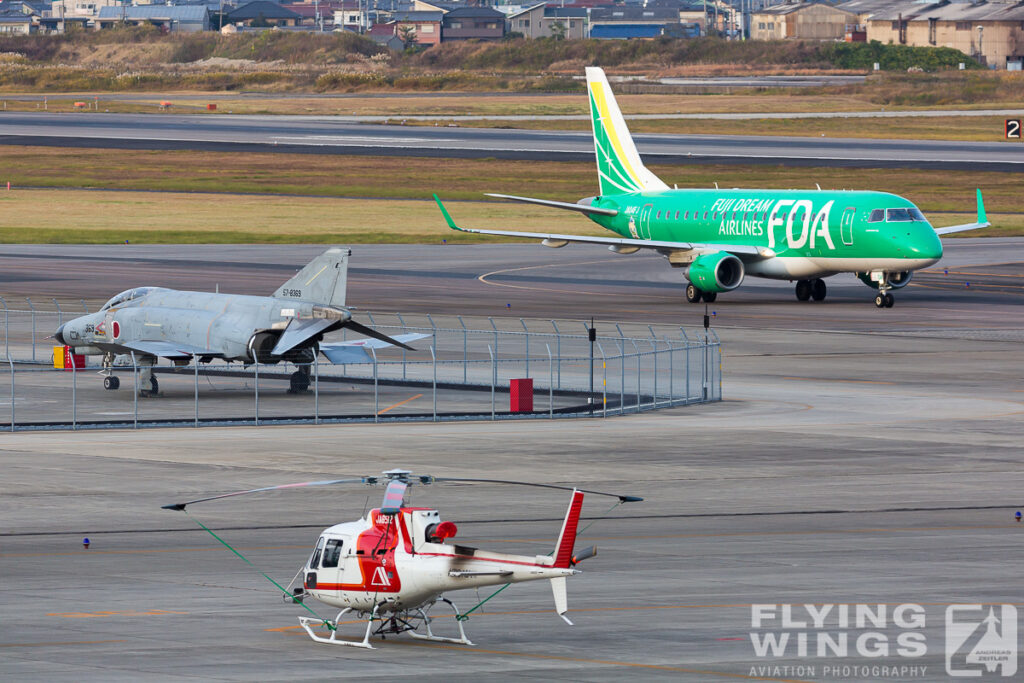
<point x="982" y="222"/>
<point x="554" y="239"/>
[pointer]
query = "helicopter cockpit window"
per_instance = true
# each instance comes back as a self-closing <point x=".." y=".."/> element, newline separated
<point x="331" y="553"/>
<point x="314" y="561"/>
<point x="128" y="295"/>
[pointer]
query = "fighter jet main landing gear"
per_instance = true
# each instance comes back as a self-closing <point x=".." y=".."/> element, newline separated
<point x="694" y="295"/>
<point x="299" y="380"/>
<point x="811" y="289"/>
<point x="111" y="382"/>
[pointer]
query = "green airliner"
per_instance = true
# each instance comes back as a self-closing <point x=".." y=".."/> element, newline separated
<point x="720" y="236"/>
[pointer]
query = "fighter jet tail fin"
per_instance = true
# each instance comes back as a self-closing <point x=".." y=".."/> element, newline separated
<point x="322" y="281"/>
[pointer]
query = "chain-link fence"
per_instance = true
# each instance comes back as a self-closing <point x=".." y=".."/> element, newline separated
<point x="463" y="368"/>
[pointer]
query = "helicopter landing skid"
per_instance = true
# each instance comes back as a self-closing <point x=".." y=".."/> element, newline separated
<point x="401" y="622"/>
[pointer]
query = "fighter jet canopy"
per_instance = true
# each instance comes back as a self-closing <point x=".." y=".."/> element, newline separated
<point x="128" y="295"/>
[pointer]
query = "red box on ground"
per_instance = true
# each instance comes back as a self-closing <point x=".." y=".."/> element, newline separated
<point x="73" y="361"/>
<point x="520" y="392"/>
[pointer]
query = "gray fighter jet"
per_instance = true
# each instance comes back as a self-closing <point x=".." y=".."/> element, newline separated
<point x="155" y="322"/>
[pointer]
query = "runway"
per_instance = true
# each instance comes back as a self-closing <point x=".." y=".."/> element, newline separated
<point x="861" y="456"/>
<point x="324" y="135"/>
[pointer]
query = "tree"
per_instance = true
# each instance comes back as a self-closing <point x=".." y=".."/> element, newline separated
<point x="407" y="34"/>
<point x="558" y="30"/>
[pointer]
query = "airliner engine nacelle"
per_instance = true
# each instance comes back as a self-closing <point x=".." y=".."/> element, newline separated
<point x="717" y="272"/>
<point x="896" y="280"/>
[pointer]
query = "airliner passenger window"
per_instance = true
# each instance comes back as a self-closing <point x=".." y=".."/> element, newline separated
<point x="677" y="215"/>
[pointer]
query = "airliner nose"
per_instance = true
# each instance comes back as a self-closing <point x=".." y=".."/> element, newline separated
<point x="59" y="336"/>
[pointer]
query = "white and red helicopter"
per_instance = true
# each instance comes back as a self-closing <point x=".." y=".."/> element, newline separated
<point x="393" y="565"/>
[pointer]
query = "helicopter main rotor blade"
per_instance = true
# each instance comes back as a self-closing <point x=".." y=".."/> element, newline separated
<point x="326" y="482"/>
<point x="622" y="498"/>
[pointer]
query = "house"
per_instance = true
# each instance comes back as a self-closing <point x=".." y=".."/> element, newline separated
<point x="386" y="35"/>
<point x="991" y="32"/>
<point x="168" y="18"/>
<point x="424" y="27"/>
<point x="90" y="9"/>
<point x="542" y="21"/>
<point x="263" y="13"/>
<point x="17" y="23"/>
<point x="575" y="22"/>
<point x="802" y="21"/>
<point x="473" y="23"/>
<point x="632" y="22"/>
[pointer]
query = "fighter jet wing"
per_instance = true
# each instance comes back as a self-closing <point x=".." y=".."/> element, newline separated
<point x="299" y="331"/>
<point x="166" y="349"/>
<point x="356" y="350"/>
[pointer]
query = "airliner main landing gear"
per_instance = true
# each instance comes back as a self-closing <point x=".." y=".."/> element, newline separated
<point x="694" y="295"/>
<point x="811" y="289"/>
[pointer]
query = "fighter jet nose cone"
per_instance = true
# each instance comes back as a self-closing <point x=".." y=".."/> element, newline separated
<point x="59" y="336"/>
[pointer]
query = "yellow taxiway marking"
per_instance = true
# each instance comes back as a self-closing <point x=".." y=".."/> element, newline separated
<point x="113" y="613"/>
<point x="61" y="644"/>
<point x="400" y="403"/>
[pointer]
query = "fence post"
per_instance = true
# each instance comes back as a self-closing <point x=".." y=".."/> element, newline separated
<point x="654" y="392"/>
<point x="495" y="328"/>
<point x="85" y="309"/>
<point x="33" y="309"/>
<point x="402" y="323"/>
<point x="135" y="389"/>
<point x="671" y="373"/>
<point x="526" y="331"/>
<point x="494" y="377"/>
<point x="376" y="393"/>
<point x="195" y="387"/>
<point x="551" y="385"/>
<point x="433" y="357"/>
<point x="637" y="349"/>
<point x="7" y="350"/>
<point x="686" y="340"/>
<point x="465" y="349"/>
<point x="11" y="362"/>
<point x="604" y="381"/>
<point x="316" y="389"/>
<point x="60" y="313"/>
<point x="256" y="388"/>
<point x="558" y="351"/>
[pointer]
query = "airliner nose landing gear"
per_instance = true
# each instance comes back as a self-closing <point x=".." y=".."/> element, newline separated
<point x="884" y="300"/>
<point x="811" y="289"/>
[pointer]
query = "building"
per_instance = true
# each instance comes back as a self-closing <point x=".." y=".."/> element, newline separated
<point x="991" y="32"/>
<point x="264" y="13"/>
<point x="473" y="23"/>
<point x="386" y="35"/>
<point x="633" y="22"/>
<point x="541" y="21"/>
<point x="423" y="26"/>
<point x="89" y="9"/>
<point x="802" y="21"/>
<point x="168" y="18"/>
<point x="18" y="24"/>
